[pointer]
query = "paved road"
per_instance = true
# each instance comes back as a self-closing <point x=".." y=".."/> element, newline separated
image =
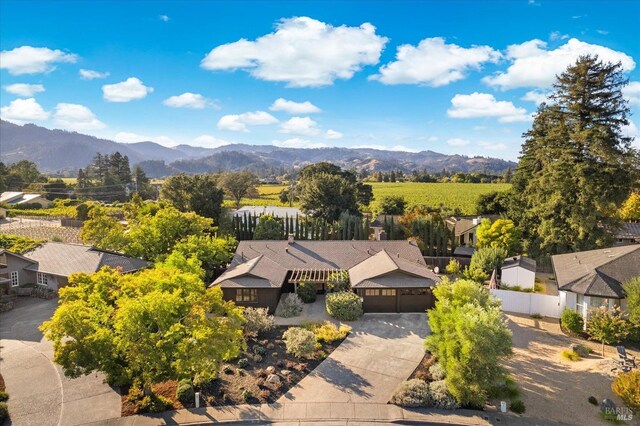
<point x="381" y="351"/>
<point x="39" y="392"/>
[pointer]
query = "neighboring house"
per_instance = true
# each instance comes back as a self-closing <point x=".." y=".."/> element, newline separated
<point x="629" y="233"/>
<point x="519" y="271"/>
<point x="378" y="224"/>
<point x="15" y="198"/>
<point x="275" y="211"/>
<point x="594" y="278"/>
<point x="52" y="263"/>
<point x="390" y="276"/>
<point x="466" y="228"/>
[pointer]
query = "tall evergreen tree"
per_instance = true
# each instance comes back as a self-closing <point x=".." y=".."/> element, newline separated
<point x="575" y="164"/>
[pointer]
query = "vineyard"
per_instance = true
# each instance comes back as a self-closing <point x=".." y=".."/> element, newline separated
<point x="452" y="195"/>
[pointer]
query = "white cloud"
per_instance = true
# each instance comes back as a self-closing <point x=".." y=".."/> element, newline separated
<point x="189" y="100"/>
<point x="91" y="74"/>
<point x="298" y="143"/>
<point x="24" y="90"/>
<point x="23" y="110"/>
<point x="557" y="35"/>
<point x="492" y="146"/>
<point x="458" y="142"/>
<point x="300" y="126"/>
<point x="128" y="137"/>
<point x="632" y="131"/>
<point x="485" y="105"/>
<point x="533" y="65"/>
<point x="164" y="18"/>
<point x="401" y="148"/>
<point x="602" y="32"/>
<point x="208" y="141"/>
<point x="632" y="92"/>
<point x="293" y="107"/>
<point x="239" y="122"/>
<point x="537" y="96"/>
<point x="33" y="60"/>
<point x="333" y="134"/>
<point x="125" y="91"/>
<point x="434" y="63"/>
<point x="76" y="117"/>
<point x="301" y="52"/>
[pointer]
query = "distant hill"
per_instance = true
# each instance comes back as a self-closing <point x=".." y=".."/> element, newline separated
<point x="56" y="151"/>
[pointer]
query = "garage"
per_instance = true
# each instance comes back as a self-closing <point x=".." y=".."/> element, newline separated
<point x="379" y="300"/>
<point x="415" y="299"/>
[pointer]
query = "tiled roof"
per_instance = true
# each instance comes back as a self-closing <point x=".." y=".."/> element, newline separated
<point x="66" y="259"/>
<point x="521" y="261"/>
<point x="598" y="273"/>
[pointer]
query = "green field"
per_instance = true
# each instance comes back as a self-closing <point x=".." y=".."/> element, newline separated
<point x="452" y="195"/>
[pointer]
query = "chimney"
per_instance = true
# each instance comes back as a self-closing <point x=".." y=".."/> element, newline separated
<point x="290" y="239"/>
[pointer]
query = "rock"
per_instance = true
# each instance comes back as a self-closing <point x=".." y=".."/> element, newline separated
<point x="274" y="379"/>
<point x="285" y="373"/>
<point x="270" y="369"/>
<point x="579" y="349"/>
<point x="607" y="406"/>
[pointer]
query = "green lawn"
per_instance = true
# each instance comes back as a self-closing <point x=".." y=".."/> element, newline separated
<point x="452" y="195"/>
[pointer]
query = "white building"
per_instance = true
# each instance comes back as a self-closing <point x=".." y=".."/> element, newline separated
<point x="594" y="278"/>
<point x="519" y="271"/>
<point x="14" y="198"/>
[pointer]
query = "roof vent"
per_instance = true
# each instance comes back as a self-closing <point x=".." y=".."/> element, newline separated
<point x="242" y="256"/>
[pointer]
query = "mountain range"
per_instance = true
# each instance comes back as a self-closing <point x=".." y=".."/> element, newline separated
<point x="63" y="152"/>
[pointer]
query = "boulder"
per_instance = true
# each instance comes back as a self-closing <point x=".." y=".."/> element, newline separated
<point x="285" y="373"/>
<point x="579" y="349"/>
<point x="270" y="369"/>
<point x="274" y="379"/>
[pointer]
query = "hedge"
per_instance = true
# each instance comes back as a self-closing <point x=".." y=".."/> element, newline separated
<point x="344" y="305"/>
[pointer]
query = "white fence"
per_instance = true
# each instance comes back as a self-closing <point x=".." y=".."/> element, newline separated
<point x="528" y="303"/>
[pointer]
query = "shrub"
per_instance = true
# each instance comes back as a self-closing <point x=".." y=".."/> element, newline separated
<point x="453" y="267"/>
<point x="270" y="345"/>
<point x="257" y="358"/>
<point x="536" y="315"/>
<point x="185" y="393"/>
<point x="257" y="320"/>
<point x="307" y="292"/>
<point x="487" y="259"/>
<point x="412" y="393"/>
<point x="227" y="369"/>
<point x="3" y="396"/>
<point x="475" y="274"/>
<point x="344" y="305"/>
<point x="299" y="342"/>
<point x="517" y="406"/>
<point x="290" y="306"/>
<point x="4" y="411"/>
<point x="571" y="321"/>
<point x="243" y="362"/>
<point x="338" y="281"/>
<point x="155" y="404"/>
<point x="508" y="390"/>
<point x="437" y="371"/>
<point x="259" y="350"/>
<point x="441" y="397"/>
<point x="247" y="395"/>
<point x="627" y="387"/>
<point x="327" y="331"/>
<point x="607" y="326"/>
<point x="570" y="355"/>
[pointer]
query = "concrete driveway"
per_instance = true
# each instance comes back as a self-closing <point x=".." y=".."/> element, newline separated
<point x="381" y="351"/>
<point x="39" y="393"/>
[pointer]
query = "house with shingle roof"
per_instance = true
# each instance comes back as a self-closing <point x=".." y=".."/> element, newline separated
<point x="52" y="263"/>
<point x="594" y="278"/>
<point x="390" y="276"/>
<point x="629" y="233"/>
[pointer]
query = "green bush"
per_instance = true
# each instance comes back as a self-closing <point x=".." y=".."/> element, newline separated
<point x="441" y="397"/>
<point x="155" y="404"/>
<point x="307" y="292"/>
<point x="572" y="321"/>
<point x="437" y="371"/>
<point x="185" y="393"/>
<point x="344" y="305"/>
<point x="4" y="412"/>
<point x="570" y="355"/>
<point x="627" y="387"/>
<point x="247" y="395"/>
<point x="259" y="350"/>
<point x="299" y="342"/>
<point x="453" y="267"/>
<point x="3" y="396"/>
<point x="338" y="281"/>
<point x="243" y="362"/>
<point x="327" y="331"/>
<point x="289" y="306"/>
<point x="517" y="406"/>
<point x="257" y="320"/>
<point x="412" y="393"/>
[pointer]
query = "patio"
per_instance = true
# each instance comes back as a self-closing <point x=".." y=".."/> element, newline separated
<point x="315" y="311"/>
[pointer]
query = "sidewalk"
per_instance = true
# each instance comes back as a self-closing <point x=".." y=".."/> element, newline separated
<point x="300" y="413"/>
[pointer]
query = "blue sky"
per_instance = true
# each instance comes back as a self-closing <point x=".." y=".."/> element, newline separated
<point x="452" y="77"/>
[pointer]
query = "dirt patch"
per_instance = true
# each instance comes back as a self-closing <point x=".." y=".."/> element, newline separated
<point x="422" y="370"/>
<point x="244" y="380"/>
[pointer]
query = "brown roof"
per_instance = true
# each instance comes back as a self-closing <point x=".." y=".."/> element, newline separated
<point x="276" y="258"/>
<point x="65" y="259"/>
<point x="599" y="273"/>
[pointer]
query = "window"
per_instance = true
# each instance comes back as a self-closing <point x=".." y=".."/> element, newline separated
<point x="372" y="292"/>
<point x="246" y="295"/>
<point x="42" y="279"/>
<point x="580" y="304"/>
<point x="413" y="291"/>
<point x="15" y="282"/>
<point x="389" y="292"/>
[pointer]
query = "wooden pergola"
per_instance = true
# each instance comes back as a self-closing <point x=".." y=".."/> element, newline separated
<point x="316" y="276"/>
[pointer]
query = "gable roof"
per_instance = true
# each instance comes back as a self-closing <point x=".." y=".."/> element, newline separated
<point x="599" y="273"/>
<point x="629" y="231"/>
<point x="65" y="259"/>
<point x="382" y="263"/>
<point x="13" y="197"/>
<point x="519" y="261"/>
<point x="272" y="260"/>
